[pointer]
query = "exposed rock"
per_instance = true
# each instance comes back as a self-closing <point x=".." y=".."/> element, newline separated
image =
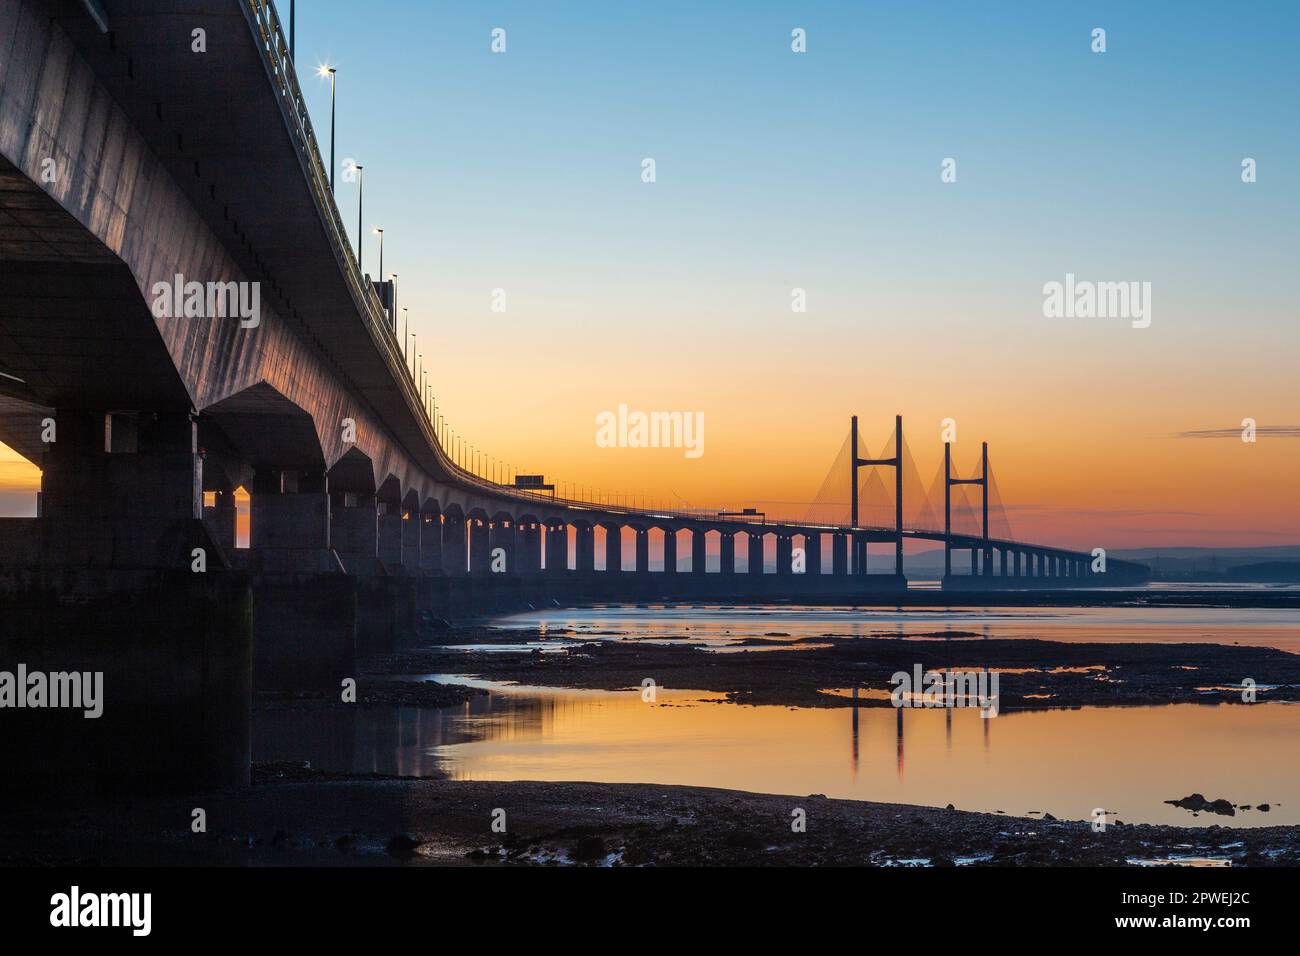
<point x="402" y="845"/>
<point x="1197" y="803"/>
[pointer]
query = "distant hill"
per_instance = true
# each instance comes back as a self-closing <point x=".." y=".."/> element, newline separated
<point x="1269" y="565"/>
<point x="1279" y="564"/>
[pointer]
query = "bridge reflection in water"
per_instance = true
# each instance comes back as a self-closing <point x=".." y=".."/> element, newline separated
<point x="1018" y="762"/>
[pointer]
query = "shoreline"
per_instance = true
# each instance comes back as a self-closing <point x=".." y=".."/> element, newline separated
<point x="1176" y="595"/>
<point x="293" y="817"/>
<point x="1034" y="674"/>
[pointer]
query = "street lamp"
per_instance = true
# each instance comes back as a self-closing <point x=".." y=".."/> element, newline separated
<point x="380" y="233"/>
<point x="406" y="324"/>
<point x="322" y="72"/>
<point x="361" y="191"/>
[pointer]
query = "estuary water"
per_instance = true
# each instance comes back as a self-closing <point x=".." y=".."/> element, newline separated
<point x="1068" y="762"/>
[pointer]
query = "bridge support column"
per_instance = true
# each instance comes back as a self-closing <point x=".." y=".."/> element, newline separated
<point x="390" y="535"/>
<point x="860" y="553"/>
<point x="756" y="554"/>
<point x="453" y="544"/>
<point x="430" y="543"/>
<point x="305" y="610"/>
<point x="642" y="550"/>
<point x="529" y="559"/>
<point x="584" y="547"/>
<point x="613" y="547"/>
<point x="698" y="541"/>
<point x="974" y="562"/>
<point x="503" y="538"/>
<point x="784" y="554"/>
<point x="1002" y="554"/>
<point x="480" y="556"/>
<point x="354" y="532"/>
<point x="839" y="555"/>
<point x="121" y="491"/>
<point x="727" y="552"/>
<point x="412" y="527"/>
<point x="670" y="550"/>
<point x="557" y="548"/>
<point x="812" y="553"/>
<point x="289" y="523"/>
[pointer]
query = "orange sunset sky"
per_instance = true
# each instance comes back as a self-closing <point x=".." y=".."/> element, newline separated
<point x="822" y="172"/>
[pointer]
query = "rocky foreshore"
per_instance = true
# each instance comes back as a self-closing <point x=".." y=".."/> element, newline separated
<point x="294" y="816"/>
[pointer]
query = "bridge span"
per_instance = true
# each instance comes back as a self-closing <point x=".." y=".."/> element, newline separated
<point x="132" y="162"/>
<point x="140" y="169"/>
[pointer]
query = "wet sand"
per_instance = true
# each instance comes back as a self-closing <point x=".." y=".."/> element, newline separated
<point x="1034" y="674"/>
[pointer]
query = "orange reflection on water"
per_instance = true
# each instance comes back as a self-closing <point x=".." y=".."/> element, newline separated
<point x="1066" y="762"/>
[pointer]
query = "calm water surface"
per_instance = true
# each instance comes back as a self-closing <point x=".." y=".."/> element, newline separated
<point x="1066" y="762"/>
<point x="719" y="625"/>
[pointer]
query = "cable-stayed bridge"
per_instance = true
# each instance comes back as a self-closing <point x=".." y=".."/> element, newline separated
<point x="132" y="164"/>
<point x="183" y="316"/>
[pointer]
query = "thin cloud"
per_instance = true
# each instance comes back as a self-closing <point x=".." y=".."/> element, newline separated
<point x="1106" y="512"/>
<point x="1273" y="431"/>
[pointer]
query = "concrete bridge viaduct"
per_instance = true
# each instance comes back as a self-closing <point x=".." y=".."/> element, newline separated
<point x="133" y="165"/>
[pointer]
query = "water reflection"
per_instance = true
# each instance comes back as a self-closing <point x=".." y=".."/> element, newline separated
<point x="1066" y="762"/>
<point x="720" y="626"/>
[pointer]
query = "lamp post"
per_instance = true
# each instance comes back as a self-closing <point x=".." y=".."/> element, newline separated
<point x="392" y="298"/>
<point x="330" y="72"/>
<point x="361" y="192"/>
<point x="406" y="324"/>
<point x="378" y="231"/>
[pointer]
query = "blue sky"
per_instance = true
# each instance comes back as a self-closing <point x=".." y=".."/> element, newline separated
<point x="804" y="156"/>
<point x="821" y="171"/>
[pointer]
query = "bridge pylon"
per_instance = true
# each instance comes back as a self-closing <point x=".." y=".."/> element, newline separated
<point x="983" y="482"/>
<point x="896" y="462"/>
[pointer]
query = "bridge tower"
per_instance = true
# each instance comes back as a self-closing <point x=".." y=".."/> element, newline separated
<point x="948" y="482"/>
<point x="860" y="544"/>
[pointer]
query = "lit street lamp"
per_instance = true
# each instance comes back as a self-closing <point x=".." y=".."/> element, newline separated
<point x="361" y="191"/>
<point x="330" y="72"/>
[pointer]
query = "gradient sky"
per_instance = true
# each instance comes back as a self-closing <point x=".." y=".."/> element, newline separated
<point x="777" y="170"/>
